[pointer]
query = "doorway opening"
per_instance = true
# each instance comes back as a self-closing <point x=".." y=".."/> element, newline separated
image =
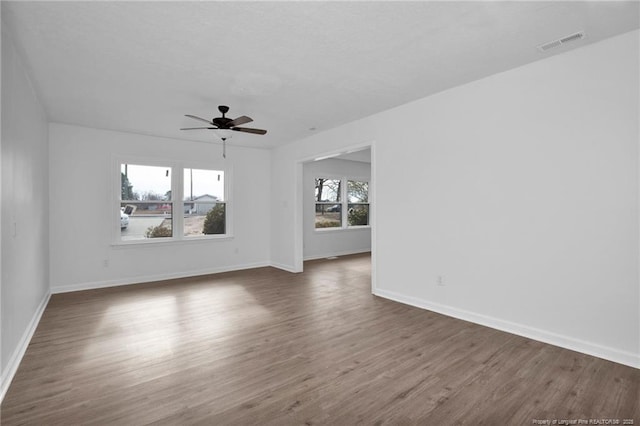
<point x="336" y="206"/>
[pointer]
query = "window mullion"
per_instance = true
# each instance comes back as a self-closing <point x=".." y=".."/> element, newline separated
<point x="345" y="202"/>
<point x="177" y="186"/>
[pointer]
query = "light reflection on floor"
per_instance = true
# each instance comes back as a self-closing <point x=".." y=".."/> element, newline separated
<point x="151" y="326"/>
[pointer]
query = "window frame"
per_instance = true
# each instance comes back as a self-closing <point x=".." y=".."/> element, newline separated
<point x="344" y="202"/>
<point x="177" y="199"/>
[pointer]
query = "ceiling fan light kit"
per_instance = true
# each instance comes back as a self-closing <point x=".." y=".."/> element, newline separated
<point x="224" y="126"/>
<point x="223" y="134"/>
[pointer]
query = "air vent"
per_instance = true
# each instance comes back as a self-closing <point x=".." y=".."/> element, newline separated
<point x="559" y="42"/>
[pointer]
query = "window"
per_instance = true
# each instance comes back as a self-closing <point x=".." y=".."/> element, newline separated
<point x="358" y="207"/>
<point x="204" y="205"/>
<point x="328" y="205"/>
<point x="341" y="201"/>
<point x="146" y="205"/>
<point x="167" y="203"/>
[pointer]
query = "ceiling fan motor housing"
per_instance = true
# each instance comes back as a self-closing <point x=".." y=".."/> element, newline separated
<point x="222" y="122"/>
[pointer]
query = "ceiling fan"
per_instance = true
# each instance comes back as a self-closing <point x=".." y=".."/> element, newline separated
<point x="224" y="125"/>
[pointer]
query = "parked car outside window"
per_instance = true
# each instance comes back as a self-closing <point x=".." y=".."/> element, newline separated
<point x="124" y="220"/>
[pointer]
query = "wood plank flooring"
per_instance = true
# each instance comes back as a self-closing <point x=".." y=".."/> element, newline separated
<point x="267" y="347"/>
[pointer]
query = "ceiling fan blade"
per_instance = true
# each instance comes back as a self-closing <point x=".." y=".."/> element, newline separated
<point x="198" y="118"/>
<point x="240" y="120"/>
<point x="197" y="128"/>
<point x="248" y="130"/>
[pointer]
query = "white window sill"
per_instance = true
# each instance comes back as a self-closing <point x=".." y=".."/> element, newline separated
<point x="350" y="228"/>
<point x="168" y="241"/>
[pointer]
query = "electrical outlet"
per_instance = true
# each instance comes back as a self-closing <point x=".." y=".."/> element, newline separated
<point x="105" y="263"/>
<point x="440" y="280"/>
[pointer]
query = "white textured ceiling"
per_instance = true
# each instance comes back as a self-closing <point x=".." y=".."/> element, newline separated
<point x="291" y="66"/>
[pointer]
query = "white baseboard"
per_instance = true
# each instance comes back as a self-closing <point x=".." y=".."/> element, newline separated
<point x="611" y="354"/>
<point x="151" y="278"/>
<point x="337" y="253"/>
<point x="18" y="353"/>
<point x="291" y="269"/>
<point x="284" y="267"/>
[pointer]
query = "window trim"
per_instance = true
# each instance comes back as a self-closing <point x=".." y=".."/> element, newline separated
<point x="344" y="203"/>
<point x="177" y="199"/>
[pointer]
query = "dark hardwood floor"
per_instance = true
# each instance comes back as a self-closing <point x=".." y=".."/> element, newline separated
<point x="267" y="347"/>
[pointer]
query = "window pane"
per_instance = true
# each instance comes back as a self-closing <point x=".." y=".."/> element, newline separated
<point x="204" y="209"/>
<point x="328" y="216"/>
<point x="327" y="190"/>
<point x="358" y="215"/>
<point x="203" y="185"/>
<point x="357" y="192"/>
<point x="145" y="220"/>
<point x="145" y="183"/>
<point x="205" y="219"/>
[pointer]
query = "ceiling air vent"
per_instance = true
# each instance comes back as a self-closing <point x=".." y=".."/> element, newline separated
<point x="559" y="42"/>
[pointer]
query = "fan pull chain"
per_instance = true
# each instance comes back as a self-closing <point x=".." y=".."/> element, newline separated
<point x="224" y="147"/>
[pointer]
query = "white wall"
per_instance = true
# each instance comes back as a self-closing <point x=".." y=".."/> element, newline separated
<point x="25" y="210"/>
<point x="82" y="206"/>
<point x="520" y="190"/>
<point x="328" y="242"/>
